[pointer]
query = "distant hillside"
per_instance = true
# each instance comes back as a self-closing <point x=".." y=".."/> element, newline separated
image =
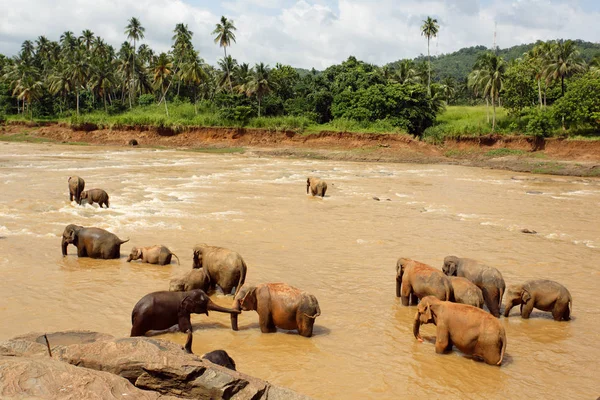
<point x="459" y="64"/>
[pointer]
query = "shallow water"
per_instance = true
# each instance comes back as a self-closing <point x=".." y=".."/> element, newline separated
<point x="342" y="249"/>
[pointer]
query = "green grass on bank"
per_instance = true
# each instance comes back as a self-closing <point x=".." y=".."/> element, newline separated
<point x="454" y="122"/>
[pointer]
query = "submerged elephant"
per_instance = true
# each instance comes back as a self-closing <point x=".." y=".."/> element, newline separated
<point x="92" y="242"/>
<point x="278" y="306"/>
<point x="224" y="267"/>
<point x="157" y="254"/>
<point x="162" y="310"/>
<point x="194" y="279"/>
<point x="76" y="186"/>
<point x="317" y="186"/>
<point x="472" y="330"/>
<point x="488" y="279"/>
<point x="95" y="196"/>
<point x="542" y="294"/>
<point x="466" y="292"/>
<point x="416" y="280"/>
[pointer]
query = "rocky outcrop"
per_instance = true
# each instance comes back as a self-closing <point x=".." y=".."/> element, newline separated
<point x="154" y="367"/>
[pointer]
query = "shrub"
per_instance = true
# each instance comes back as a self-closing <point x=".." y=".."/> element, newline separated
<point x="239" y="115"/>
<point x="539" y="123"/>
<point x="146" y="99"/>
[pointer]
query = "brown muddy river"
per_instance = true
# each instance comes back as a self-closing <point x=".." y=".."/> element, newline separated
<point x="342" y="249"/>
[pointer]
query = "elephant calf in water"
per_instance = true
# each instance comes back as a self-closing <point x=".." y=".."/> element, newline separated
<point x="317" y="186"/>
<point x="76" y="186"/>
<point x="194" y="279"/>
<point x="466" y="292"/>
<point x="472" y="330"/>
<point x="278" y="306"/>
<point x="95" y="196"/>
<point x="219" y="357"/>
<point x="162" y="310"/>
<point x="225" y="268"/>
<point x="542" y="294"/>
<point x="157" y="254"/>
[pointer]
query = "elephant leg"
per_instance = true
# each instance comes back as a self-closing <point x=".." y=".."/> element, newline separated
<point x="184" y="323"/>
<point x="560" y="311"/>
<point x="526" y="309"/>
<point x="414" y="300"/>
<point x="81" y="251"/>
<point x="265" y="319"/>
<point x="442" y="341"/>
<point x="405" y="293"/>
<point x="490" y="296"/>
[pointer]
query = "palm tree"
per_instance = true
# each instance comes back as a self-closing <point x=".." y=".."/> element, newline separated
<point x="225" y="35"/>
<point x="182" y="49"/>
<point x="60" y="82"/>
<point x="193" y="73"/>
<point x="79" y="69"/>
<point x="162" y="71"/>
<point x="448" y="88"/>
<point x="486" y="78"/>
<point x="227" y="65"/>
<point x="259" y="83"/>
<point x="429" y="29"/>
<point x="406" y="72"/>
<point x="562" y="62"/>
<point x="87" y="39"/>
<point x="595" y="65"/>
<point x="135" y="31"/>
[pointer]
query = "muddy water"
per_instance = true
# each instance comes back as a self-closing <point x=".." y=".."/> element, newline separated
<point x="342" y="249"/>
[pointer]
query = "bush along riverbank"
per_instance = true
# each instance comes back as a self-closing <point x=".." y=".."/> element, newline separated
<point x="516" y="153"/>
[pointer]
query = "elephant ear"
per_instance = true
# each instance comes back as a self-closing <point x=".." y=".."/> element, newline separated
<point x="249" y="299"/>
<point x="525" y="296"/>
<point x="428" y="312"/>
<point x="186" y="306"/>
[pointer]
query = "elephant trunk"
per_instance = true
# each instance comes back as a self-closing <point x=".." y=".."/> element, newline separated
<point x="416" y="327"/>
<point x="234" y="317"/>
<point x="214" y="307"/>
<point x="188" y="342"/>
<point x="398" y="287"/>
<point x="64" y="245"/>
<point x="307" y="186"/>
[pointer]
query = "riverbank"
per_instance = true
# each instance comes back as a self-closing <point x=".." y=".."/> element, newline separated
<point x="516" y="153"/>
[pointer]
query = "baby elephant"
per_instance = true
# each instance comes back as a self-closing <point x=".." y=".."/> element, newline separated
<point x="95" y="196"/>
<point x="220" y="357"/>
<point x="415" y="280"/>
<point x="157" y="254"/>
<point x="278" y="306"/>
<point x="472" y="330"/>
<point x="317" y="186"/>
<point x="466" y="292"/>
<point x="542" y="294"/>
<point x="194" y="279"/>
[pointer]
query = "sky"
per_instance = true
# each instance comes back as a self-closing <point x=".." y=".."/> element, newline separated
<point x="308" y="33"/>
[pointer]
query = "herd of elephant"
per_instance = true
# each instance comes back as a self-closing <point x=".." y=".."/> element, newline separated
<point x="452" y="299"/>
<point x="278" y="305"/>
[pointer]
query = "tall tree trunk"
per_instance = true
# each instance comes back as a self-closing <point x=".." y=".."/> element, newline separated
<point x="104" y="98"/>
<point x="562" y="85"/>
<point x="428" y="69"/>
<point x="132" y="76"/>
<point x="545" y="89"/>
<point x="195" y="102"/>
<point x="540" y="92"/>
<point x="487" y="108"/>
<point x="258" y="97"/>
<point x="228" y="72"/>
<point x="494" y="115"/>
<point x="78" y="102"/>
<point x="165" y="98"/>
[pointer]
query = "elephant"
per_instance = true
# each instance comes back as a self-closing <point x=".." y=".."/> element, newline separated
<point x="162" y="310"/>
<point x="466" y="292"/>
<point x="219" y="357"/>
<point x="92" y="242"/>
<point x="317" y="186"/>
<point x="95" y="196"/>
<point x="416" y="280"/>
<point x="278" y="305"/>
<point x="76" y="186"/>
<point x="542" y="294"/>
<point x="472" y="330"/>
<point x="224" y="267"/>
<point x="487" y="278"/>
<point x="194" y="279"/>
<point x="157" y="254"/>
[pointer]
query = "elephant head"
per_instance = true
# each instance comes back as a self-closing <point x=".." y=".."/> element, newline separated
<point x="136" y="254"/>
<point x="245" y="300"/>
<point x="198" y="302"/>
<point x="515" y="295"/>
<point x="425" y="314"/>
<point x="70" y="236"/>
<point x="198" y="250"/>
<point x="450" y="265"/>
<point x="83" y="195"/>
<point x="400" y="267"/>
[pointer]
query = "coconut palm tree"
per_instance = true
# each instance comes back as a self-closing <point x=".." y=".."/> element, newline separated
<point x="595" y="66"/>
<point x="87" y="39"/>
<point x="135" y="31"/>
<point x="79" y="70"/>
<point x="227" y="65"/>
<point x="225" y="34"/>
<point x="163" y="69"/>
<point x="259" y="84"/>
<point x="562" y="62"/>
<point x="429" y="29"/>
<point x="192" y="72"/>
<point x="182" y="50"/>
<point x="486" y="78"/>
<point x="406" y="72"/>
<point x="448" y="88"/>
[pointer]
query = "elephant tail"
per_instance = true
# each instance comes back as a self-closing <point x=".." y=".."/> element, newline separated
<point x="503" y="343"/>
<point x="242" y="280"/>
<point x="176" y="258"/>
<point x="123" y="241"/>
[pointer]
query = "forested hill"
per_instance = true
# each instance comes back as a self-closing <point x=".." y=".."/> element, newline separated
<point x="460" y="63"/>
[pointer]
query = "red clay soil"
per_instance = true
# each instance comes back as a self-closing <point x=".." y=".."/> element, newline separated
<point x="551" y="156"/>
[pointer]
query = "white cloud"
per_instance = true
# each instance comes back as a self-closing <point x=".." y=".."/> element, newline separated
<point x="307" y="33"/>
